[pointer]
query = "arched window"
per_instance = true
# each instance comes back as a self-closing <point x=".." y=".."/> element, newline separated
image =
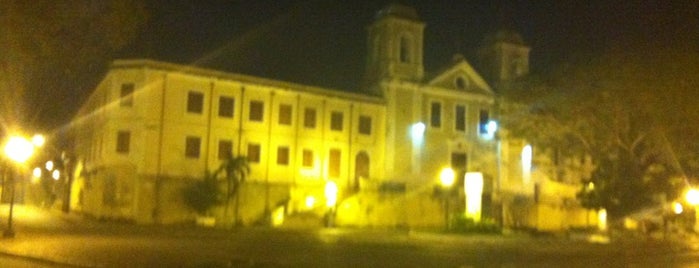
<point x="361" y="169"/>
<point x="405" y="50"/>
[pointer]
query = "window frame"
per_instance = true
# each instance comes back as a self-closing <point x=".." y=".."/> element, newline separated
<point x="126" y="94"/>
<point x="192" y="148"/>
<point x="307" y="158"/>
<point x="310" y="117"/>
<point x="334" y="163"/>
<point x="226" y="113"/>
<point x="286" y="112"/>
<point x="460" y="118"/>
<point x="123" y="142"/>
<point x="194" y="105"/>
<point x="436" y="122"/>
<point x="254" y="112"/>
<point x="257" y="155"/>
<point x="337" y="119"/>
<point x="224" y="154"/>
<point x="365" y="125"/>
<point x="283" y="155"/>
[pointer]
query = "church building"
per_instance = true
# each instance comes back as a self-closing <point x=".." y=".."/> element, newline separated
<point x="369" y="158"/>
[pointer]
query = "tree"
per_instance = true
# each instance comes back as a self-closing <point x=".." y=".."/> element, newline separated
<point x="58" y="47"/>
<point x="628" y="108"/>
<point x="235" y="170"/>
<point x="204" y="194"/>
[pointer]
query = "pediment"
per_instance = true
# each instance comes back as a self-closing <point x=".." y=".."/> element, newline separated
<point x="461" y="76"/>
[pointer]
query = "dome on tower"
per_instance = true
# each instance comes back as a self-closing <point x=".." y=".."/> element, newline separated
<point x="503" y="35"/>
<point x="398" y="10"/>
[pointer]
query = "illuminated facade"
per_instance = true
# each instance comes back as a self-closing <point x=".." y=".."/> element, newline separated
<point x="151" y="128"/>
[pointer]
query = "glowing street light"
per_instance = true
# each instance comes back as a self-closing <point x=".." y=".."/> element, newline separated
<point x="446" y="177"/>
<point x="49" y="165"/>
<point x="18" y="149"/>
<point x="473" y="187"/>
<point x="56" y="174"/>
<point x="692" y="198"/>
<point x="446" y="180"/>
<point x="331" y="191"/>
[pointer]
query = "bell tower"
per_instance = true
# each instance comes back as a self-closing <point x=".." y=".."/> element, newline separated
<point x="394" y="47"/>
<point x="504" y="57"/>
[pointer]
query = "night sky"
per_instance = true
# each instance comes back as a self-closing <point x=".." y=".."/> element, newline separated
<point x="323" y="43"/>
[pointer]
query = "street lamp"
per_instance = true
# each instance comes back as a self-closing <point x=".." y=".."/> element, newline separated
<point x="18" y="149"/>
<point x="446" y="180"/>
<point x="330" y="192"/>
<point x="692" y="198"/>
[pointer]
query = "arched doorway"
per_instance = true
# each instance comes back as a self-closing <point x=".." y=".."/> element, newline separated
<point x="361" y="169"/>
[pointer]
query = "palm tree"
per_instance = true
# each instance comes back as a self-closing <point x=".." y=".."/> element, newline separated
<point x="235" y="170"/>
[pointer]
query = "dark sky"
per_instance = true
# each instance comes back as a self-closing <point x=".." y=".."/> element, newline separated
<point x="322" y="42"/>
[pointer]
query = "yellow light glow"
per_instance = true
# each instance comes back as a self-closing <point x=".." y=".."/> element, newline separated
<point x="330" y="194"/>
<point x="36" y="175"/>
<point x="446" y="177"/>
<point x="417" y="131"/>
<point x="49" y="165"/>
<point x="38" y="140"/>
<point x="473" y="187"/>
<point x="19" y="149"/>
<point x="677" y="207"/>
<point x="56" y="174"/>
<point x="692" y="196"/>
<point x="602" y="219"/>
<point x="590" y="186"/>
<point x="310" y="201"/>
<point x="278" y="216"/>
<point x="526" y="164"/>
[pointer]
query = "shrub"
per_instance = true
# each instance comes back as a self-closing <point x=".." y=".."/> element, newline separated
<point x="203" y="195"/>
<point x="462" y="224"/>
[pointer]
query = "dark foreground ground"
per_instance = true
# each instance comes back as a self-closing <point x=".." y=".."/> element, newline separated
<point x="50" y="239"/>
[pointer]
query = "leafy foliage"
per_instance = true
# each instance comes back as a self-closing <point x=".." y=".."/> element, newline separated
<point x="462" y="224"/>
<point x="57" y="45"/>
<point x="204" y="194"/>
<point x="630" y="109"/>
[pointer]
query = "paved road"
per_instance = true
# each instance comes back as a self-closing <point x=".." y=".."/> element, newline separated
<point x="70" y="241"/>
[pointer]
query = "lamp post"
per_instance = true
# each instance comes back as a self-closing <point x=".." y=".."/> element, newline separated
<point x="330" y="193"/>
<point x="446" y="180"/>
<point x="692" y="198"/>
<point x="18" y="149"/>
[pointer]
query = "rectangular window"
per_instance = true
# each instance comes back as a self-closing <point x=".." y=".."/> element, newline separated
<point x="283" y="155"/>
<point x="365" y="125"/>
<point x="257" y="110"/>
<point x="126" y="95"/>
<point x="192" y="147"/>
<point x="195" y="102"/>
<point x="123" y="142"/>
<point x="225" y="149"/>
<point x="436" y="114"/>
<point x="336" y="121"/>
<point x="254" y="151"/>
<point x="284" y="114"/>
<point x="483" y="119"/>
<point x="307" y="160"/>
<point x="334" y="163"/>
<point x="460" y="118"/>
<point x="309" y="118"/>
<point x="226" y="106"/>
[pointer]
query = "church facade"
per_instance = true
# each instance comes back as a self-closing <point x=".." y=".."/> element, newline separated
<point x="152" y="128"/>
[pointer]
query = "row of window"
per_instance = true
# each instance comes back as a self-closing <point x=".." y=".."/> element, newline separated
<point x="226" y="106"/>
<point x="195" y="102"/>
<point x="459" y="117"/>
<point x="225" y="150"/>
